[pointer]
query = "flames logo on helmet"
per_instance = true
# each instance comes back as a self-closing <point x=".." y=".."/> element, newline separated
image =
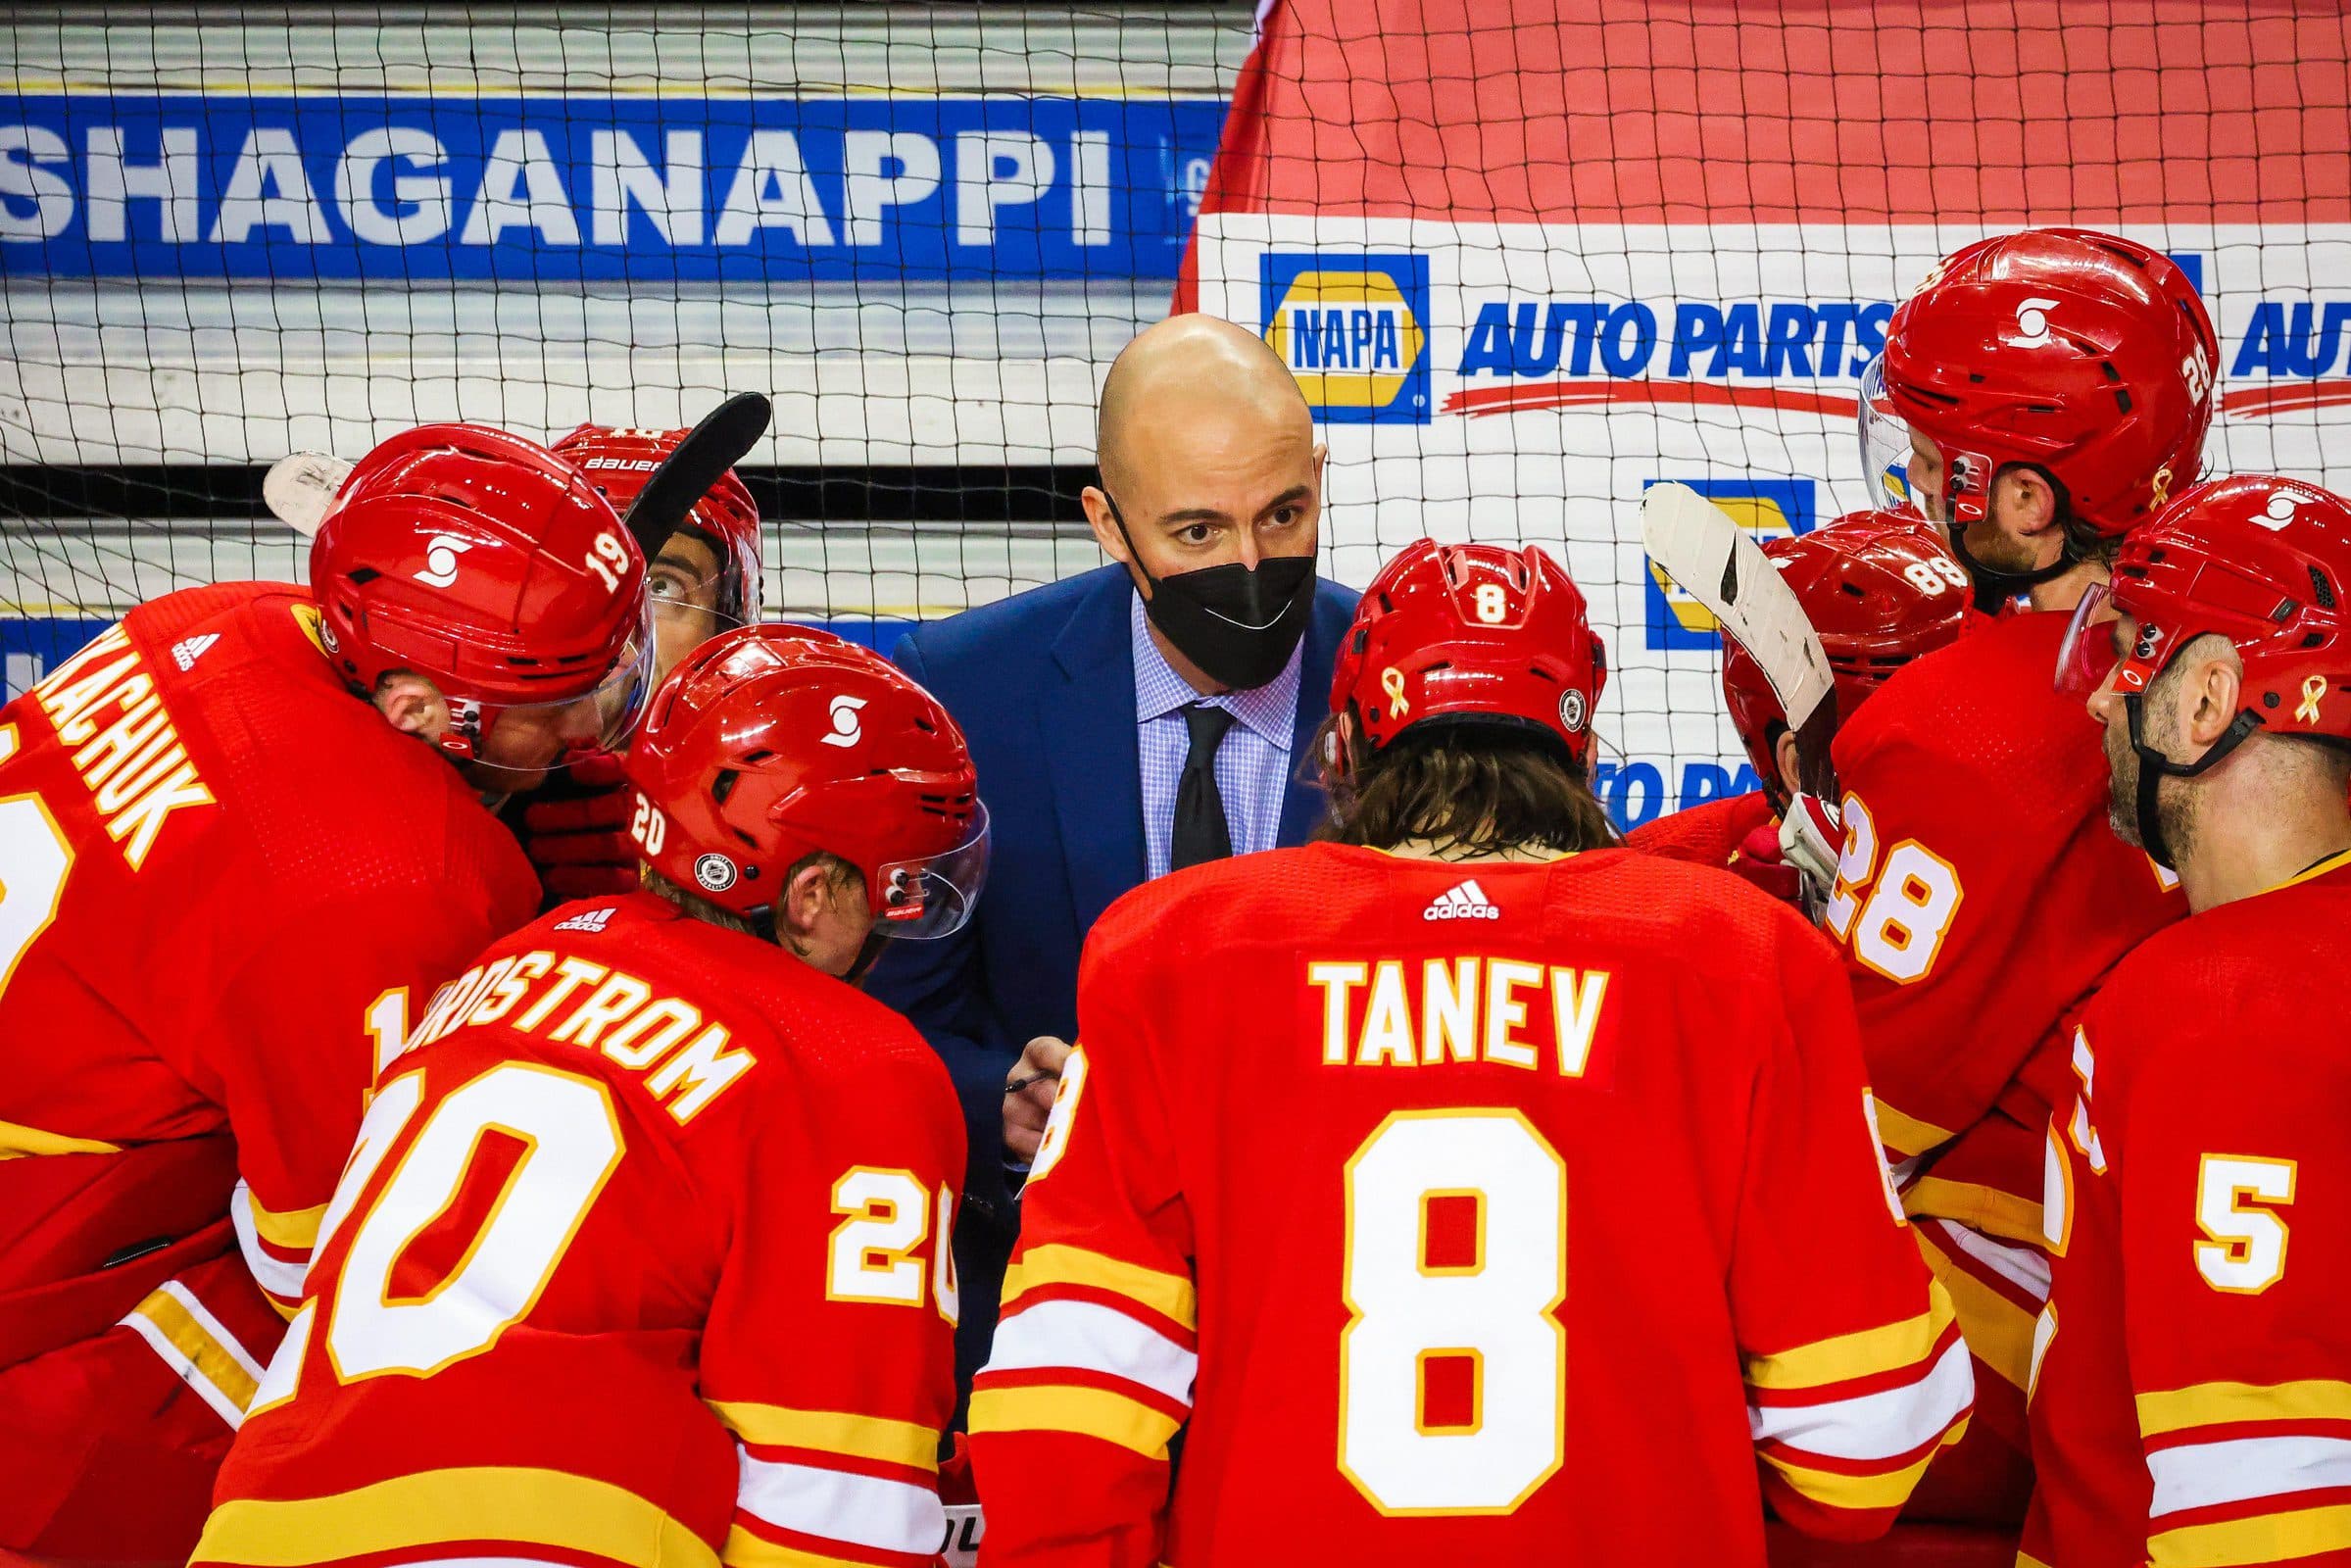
<point x="846" y="729"/>
<point x="440" y="560"/>
<point x="2033" y="321"/>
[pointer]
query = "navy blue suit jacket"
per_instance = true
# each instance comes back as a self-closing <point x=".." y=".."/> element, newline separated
<point x="1042" y="684"/>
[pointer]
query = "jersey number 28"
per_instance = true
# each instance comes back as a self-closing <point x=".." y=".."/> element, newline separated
<point x="1892" y="913"/>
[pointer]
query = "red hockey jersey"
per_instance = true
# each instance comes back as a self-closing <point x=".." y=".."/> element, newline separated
<point x="1705" y="835"/>
<point x="642" y="1258"/>
<point x="1981" y="894"/>
<point x="226" y="881"/>
<point x="1471" y="1213"/>
<point x="2193" y="1392"/>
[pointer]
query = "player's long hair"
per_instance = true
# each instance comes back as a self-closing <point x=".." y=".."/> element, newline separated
<point x="1475" y="789"/>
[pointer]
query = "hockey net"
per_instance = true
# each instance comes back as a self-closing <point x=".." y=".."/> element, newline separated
<point x="1526" y="256"/>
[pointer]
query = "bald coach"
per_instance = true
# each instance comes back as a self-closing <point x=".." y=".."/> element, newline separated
<point x="1141" y="717"/>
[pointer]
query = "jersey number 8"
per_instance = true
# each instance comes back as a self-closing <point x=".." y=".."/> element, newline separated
<point x="1452" y="1368"/>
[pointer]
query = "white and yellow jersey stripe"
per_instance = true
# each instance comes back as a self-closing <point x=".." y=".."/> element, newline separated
<point x="2247" y="1472"/>
<point x="826" y="1489"/>
<point x="1850" y="1423"/>
<point x="1094" y="1346"/>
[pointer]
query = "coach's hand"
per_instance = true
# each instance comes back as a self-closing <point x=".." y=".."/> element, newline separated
<point x="1026" y="1107"/>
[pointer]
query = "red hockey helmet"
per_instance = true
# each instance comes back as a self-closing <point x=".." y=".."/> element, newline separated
<point x="768" y="744"/>
<point x="619" y="460"/>
<point x="2263" y="562"/>
<point x="1881" y="590"/>
<point x="1471" y="633"/>
<point x="484" y="563"/>
<point x="2083" y="354"/>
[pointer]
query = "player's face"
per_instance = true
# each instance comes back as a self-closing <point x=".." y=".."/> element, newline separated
<point x="684" y="584"/>
<point x="523" y="744"/>
<point x="1924" y="475"/>
<point x="1207" y="488"/>
<point x="2122" y="762"/>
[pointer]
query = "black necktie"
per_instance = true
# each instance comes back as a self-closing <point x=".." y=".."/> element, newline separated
<point x="1200" y="833"/>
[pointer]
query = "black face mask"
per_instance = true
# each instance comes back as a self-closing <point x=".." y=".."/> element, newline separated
<point x="1239" y="627"/>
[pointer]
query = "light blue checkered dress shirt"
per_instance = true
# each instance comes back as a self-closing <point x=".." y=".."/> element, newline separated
<point x="1252" y="764"/>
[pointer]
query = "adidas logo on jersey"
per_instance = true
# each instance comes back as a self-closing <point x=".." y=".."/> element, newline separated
<point x="188" y="650"/>
<point x="586" y="920"/>
<point x="1464" y="902"/>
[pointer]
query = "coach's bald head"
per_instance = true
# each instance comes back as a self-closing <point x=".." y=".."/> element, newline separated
<point x="1187" y="384"/>
<point x="1208" y="450"/>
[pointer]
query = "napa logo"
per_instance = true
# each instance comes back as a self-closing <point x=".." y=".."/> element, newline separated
<point x="1772" y="509"/>
<point x="1353" y="329"/>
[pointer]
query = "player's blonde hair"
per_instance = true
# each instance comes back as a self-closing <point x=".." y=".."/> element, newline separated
<point x="1476" y="789"/>
<point x="843" y="875"/>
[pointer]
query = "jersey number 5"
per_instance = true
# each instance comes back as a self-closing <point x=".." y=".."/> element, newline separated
<point x="1452" y="1368"/>
<point x="1893" y="915"/>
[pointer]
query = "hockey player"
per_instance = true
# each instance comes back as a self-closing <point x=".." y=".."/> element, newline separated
<point x="2056" y="385"/>
<point x="1881" y="589"/>
<point x="2191" y="1404"/>
<point x="701" y="580"/>
<point x="643" y="1256"/>
<point x="1477" y="1198"/>
<point x="704" y="579"/>
<point x="242" y="839"/>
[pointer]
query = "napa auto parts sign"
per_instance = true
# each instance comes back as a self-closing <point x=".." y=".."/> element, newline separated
<point x="1513" y="308"/>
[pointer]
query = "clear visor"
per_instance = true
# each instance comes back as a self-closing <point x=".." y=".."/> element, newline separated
<point x="1885" y="445"/>
<point x="2087" y="656"/>
<point x="679" y="626"/>
<point x="932" y="897"/>
<point x="534" y="737"/>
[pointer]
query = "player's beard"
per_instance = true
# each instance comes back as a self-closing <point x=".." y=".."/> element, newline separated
<point x="2123" y="766"/>
<point x="1991" y="545"/>
<point x="2121" y="785"/>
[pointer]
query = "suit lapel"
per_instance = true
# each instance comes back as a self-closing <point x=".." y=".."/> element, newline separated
<point x="1089" y="728"/>
<point x="1304" y="803"/>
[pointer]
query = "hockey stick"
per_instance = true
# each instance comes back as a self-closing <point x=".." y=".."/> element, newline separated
<point x="300" y="488"/>
<point x="1720" y="565"/>
<point x="685" y="477"/>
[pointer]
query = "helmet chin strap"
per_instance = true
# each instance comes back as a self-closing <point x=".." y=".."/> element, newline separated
<point x="1994" y="587"/>
<point x="2154" y="766"/>
<point x="870" y="953"/>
